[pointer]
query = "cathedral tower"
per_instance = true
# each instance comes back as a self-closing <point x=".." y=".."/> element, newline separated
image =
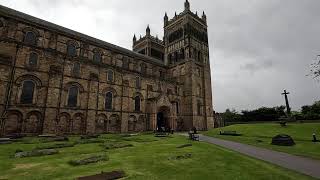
<point x="187" y="55"/>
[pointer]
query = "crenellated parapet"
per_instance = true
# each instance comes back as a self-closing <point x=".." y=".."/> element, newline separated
<point x="149" y="45"/>
<point x="187" y="11"/>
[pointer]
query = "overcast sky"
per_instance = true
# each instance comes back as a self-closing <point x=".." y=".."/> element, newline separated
<point x="257" y="48"/>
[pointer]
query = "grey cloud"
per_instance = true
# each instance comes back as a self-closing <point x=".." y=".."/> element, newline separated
<point x="253" y="67"/>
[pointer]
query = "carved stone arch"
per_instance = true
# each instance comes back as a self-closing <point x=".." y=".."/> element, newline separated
<point x="72" y="48"/>
<point x="64" y="123"/>
<point x="36" y="85"/>
<point x="13" y="122"/>
<point x="31" y="29"/>
<point x="73" y="42"/>
<point x="31" y="77"/>
<point x="72" y="83"/>
<point x="97" y="55"/>
<point x="78" y="124"/>
<point x="114" y="123"/>
<point x="109" y="89"/>
<point x="163" y="101"/>
<point x="38" y="58"/>
<point x="98" y="50"/>
<point x="138" y="94"/>
<point x="140" y="125"/>
<point x="101" y="123"/>
<point x="32" y="123"/>
<point x="132" y="121"/>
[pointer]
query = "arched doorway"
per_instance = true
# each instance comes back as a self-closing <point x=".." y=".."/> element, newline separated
<point x="163" y="121"/>
<point x="13" y="123"/>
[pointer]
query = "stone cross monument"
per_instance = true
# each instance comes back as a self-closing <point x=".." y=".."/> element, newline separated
<point x="285" y="93"/>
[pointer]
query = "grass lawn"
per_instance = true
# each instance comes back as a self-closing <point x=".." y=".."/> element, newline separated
<point x="261" y="135"/>
<point x="148" y="158"/>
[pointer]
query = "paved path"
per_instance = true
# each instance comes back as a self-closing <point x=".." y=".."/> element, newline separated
<point x="300" y="164"/>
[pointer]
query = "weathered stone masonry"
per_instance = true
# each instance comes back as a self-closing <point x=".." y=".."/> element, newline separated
<point x="55" y="80"/>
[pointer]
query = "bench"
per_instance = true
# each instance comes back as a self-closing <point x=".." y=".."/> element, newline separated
<point x="193" y="136"/>
<point x="229" y="133"/>
<point x="283" y="123"/>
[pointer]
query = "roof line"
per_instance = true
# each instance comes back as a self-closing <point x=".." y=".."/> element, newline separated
<point x="74" y="34"/>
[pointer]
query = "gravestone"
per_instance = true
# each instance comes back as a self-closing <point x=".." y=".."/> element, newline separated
<point x="105" y="176"/>
<point x="282" y="140"/>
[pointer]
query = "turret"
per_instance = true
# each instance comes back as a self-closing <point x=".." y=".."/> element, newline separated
<point x="187" y="6"/>
<point x="134" y="39"/>
<point x="165" y="19"/>
<point x="204" y="17"/>
<point x="148" y="31"/>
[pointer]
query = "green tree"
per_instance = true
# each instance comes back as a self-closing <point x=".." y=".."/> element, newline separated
<point x="231" y="116"/>
<point x="315" y="68"/>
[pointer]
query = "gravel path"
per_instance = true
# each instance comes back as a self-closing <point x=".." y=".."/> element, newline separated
<point x="303" y="165"/>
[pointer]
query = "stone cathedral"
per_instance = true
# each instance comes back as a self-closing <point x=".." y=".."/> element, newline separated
<point x="58" y="81"/>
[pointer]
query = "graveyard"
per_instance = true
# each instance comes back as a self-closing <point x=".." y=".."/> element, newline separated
<point x="261" y="135"/>
<point x="138" y="156"/>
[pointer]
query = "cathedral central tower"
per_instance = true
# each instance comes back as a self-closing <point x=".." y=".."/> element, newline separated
<point x="186" y="54"/>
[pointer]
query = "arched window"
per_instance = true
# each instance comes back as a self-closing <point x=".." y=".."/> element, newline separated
<point x="27" y="92"/>
<point x="30" y="38"/>
<point x="199" y="90"/>
<point x="198" y="72"/>
<point x="143" y="68"/>
<point x="176" y="56"/>
<point x="170" y="59"/>
<point x="177" y="108"/>
<point x="33" y="59"/>
<point x="76" y="69"/>
<point x="71" y="50"/>
<point x="125" y="63"/>
<point x="110" y="77"/>
<point x="109" y="98"/>
<point x="138" y="82"/>
<point x="97" y="57"/>
<point x="161" y="74"/>
<point x="177" y="90"/>
<point x="73" y="96"/>
<point x="182" y="54"/>
<point x="199" y="56"/>
<point x="137" y="102"/>
<point x="199" y="108"/>
<point x="174" y="73"/>
<point x="182" y="71"/>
